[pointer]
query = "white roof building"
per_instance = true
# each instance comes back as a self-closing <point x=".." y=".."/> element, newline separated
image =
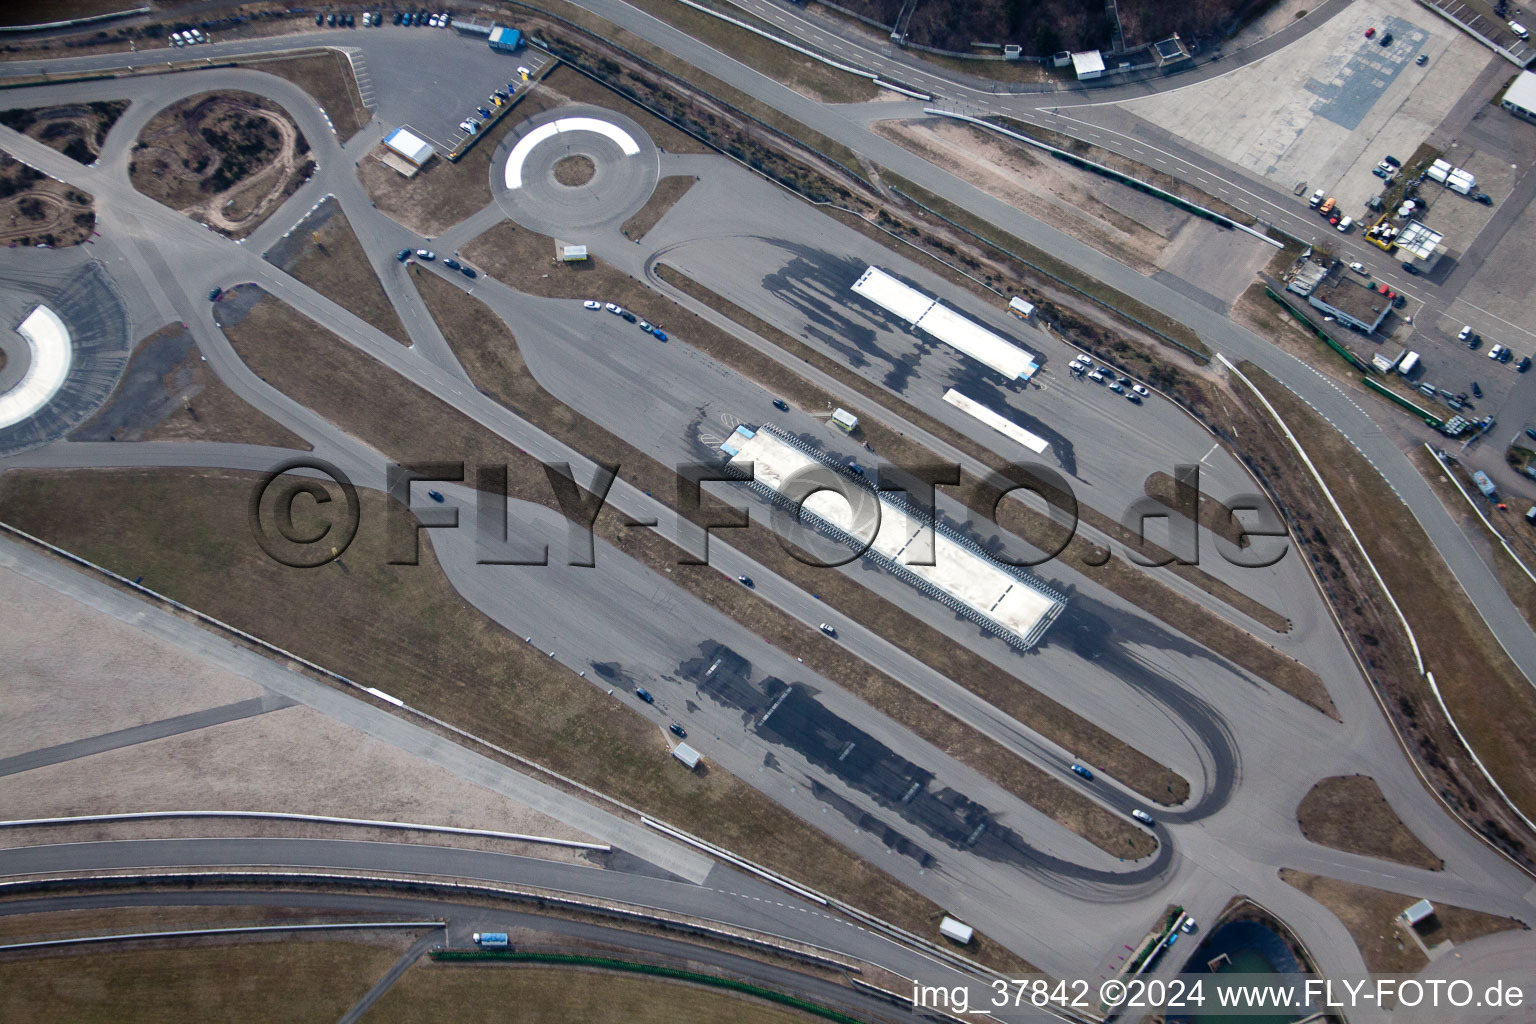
<point x="934" y="318"/>
<point x="409" y="145"/>
<point x="1520" y="98"/>
<point x="1088" y="64"/>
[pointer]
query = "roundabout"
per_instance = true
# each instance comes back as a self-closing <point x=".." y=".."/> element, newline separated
<point x="65" y="342"/>
<point x="573" y="169"/>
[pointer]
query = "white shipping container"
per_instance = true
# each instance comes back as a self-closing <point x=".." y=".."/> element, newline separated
<point x="958" y="931"/>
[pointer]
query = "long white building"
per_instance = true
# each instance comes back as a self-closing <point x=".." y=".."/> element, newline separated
<point x="1006" y="600"/>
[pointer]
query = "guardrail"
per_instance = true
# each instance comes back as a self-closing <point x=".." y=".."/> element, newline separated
<point x="317" y="818"/>
<point x="188" y="933"/>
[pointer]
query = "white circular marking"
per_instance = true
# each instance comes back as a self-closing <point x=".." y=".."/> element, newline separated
<point x="526" y="144"/>
<point x="48" y="340"/>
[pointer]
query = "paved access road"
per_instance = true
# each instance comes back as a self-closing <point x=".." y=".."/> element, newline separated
<point x="1234" y="850"/>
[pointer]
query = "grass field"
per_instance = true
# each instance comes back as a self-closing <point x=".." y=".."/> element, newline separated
<point x="451" y="993"/>
<point x="254" y="982"/>
<point x="489" y="354"/>
<point x="1348" y="812"/>
<point x="668" y="191"/>
<point x="1138" y="586"/>
<point x="1369" y="915"/>
<point x="332" y="262"/>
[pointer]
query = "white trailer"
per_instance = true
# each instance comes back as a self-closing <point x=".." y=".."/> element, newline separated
<point x="686" y="754"/>
<point x="956" y="931"/>
<point x="1408" y="363"/>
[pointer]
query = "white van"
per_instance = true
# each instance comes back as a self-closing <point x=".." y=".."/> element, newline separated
<point x="1519" y="30"/>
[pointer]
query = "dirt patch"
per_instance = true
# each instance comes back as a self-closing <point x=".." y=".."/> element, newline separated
<point x="77" y="130"/>
<point x="324" y="253"/>
<point x="169" y="394"/>
<point x="228" y="159"/>
<point x="668" y="191"/>
<point x="327" y="76"/>
<point x="1370" y="915"/>
<point x="574" y="171"/>
<point x="38" y="210"/>
<point x="1348" y="812"/>
<point x="490" y="355"/>
<point x="1046" y="189"/>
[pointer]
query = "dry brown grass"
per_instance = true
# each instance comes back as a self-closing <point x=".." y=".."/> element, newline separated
<point x="1511" y="523"/>
<point x="327" y="76"/>
<point x="228" y="159"/>
<point x="434" y="993"/>
<point x="489" y="354"/>
<point x="668" y="191"/>
<point x="192" y="404"/>
<point x="1491" y="701"/>
<point x="77" y="130"/>
<point x="443" y="193"/>
<point x="567" y="85"/>
<point x="1135" y="585"/>
<point x="39" y="210"/>
<point x="574" y="170"/>
<point x="335" y="265"/>
<point x="1370" y="916"/>
<point x="803" y="74"/>
<point x="1348" y="812"/>
<point x="260" y="982"/>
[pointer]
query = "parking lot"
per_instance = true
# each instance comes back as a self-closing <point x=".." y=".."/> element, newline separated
<point x="1324" y="109"/>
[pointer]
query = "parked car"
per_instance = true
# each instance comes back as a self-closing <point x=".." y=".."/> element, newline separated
<point x="592" y="304"/>
<point x="644" y="695"/>
<point x="645" y="326"/>
<point x="1140" y="390"/>
<point x="1078" y="769"/>
<point x="1495" y="352"/>
<point x="781" y="405"/>
<point x="1386" y="39"/>
<point x="319" y="20"/>
<point x="1421" y="59"/>
<point x="1316" y="200"/>
<point x="482" y="112"/>
<point x="403" y="255"/>
<point x="1523" y="365"/>
<point x="452" y="264"/>
<point x="678" y="731"/>
<point x="1370" y="32"/>
<point x="610" y="307"/>
<point x="426" y="254"/>
<point x="1465" y="333"/>
<point x="627" y="315"/>
<point x="213" y="296"/>
<point x="1477" y="389"/>
<point x="1116" y="387"/>
<point x="1346" y="224"/>
<point x="1097" y="377"/>
<point x="1392" y="161"/>
<point x="1506" y="355"/>
<point x="1188" y="925"/>
<point x="1411" y="269"/>
<point x="660" y="334"/>
<point x="745" y="581"/>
